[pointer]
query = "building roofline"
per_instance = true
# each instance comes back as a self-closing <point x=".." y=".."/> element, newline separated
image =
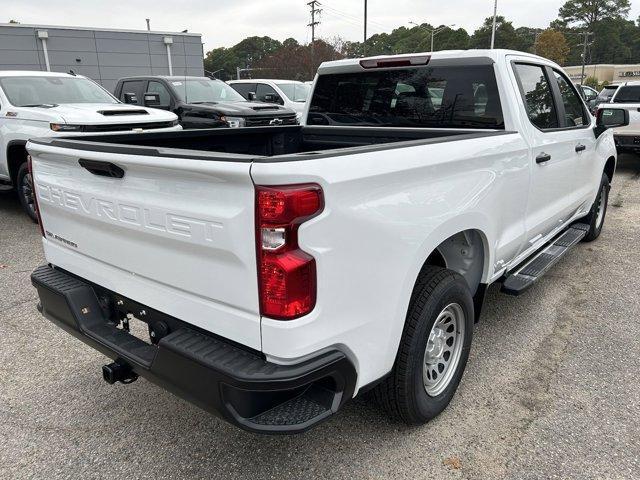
<point x="118" y="30"/>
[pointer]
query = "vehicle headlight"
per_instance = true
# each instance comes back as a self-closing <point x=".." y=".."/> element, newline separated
<point x="65" y="127"/>
<point x="234" y="122"/>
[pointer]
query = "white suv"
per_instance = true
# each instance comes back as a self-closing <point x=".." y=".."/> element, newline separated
<point x="48" y="104"/>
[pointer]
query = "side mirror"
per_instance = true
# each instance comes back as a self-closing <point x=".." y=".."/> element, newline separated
<point x="611" y="118"/>
<point x="130" y="98"/>
<point x="251" y="96"/>
<point x="151" y="99"/>
<point x="272" y="98"/>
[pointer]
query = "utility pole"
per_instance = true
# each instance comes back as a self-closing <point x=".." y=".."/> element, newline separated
<point x="493" y="29"/>
<point x="148" y="24"/>
<point x="313" y="5"/>
<point x="434" y="31"/>
<point x="364" y="43"/>
<point x="584" y="54"/>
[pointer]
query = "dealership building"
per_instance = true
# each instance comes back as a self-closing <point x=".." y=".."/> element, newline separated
<point x="605" y="72"/>
<point x="105" y="55"/>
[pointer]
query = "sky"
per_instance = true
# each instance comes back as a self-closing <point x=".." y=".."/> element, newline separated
<point x="223" y="23"/>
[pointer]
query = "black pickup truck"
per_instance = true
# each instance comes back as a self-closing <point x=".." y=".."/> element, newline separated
<point x="201" y="102"/>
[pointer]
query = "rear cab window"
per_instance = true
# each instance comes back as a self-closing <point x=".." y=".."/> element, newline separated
<point x="627" y="94"/>
<point x="431" y="96"/>
<point x="244" y="89"/>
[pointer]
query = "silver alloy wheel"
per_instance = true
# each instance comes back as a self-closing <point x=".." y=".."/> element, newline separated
<point x="602" y="203"/>
<point x="443" y="350"/>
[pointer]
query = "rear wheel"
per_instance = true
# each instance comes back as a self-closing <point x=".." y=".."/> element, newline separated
<point x="433" y="350"/>
<point x="598" y="210"/>
<point x="24" y="187"/>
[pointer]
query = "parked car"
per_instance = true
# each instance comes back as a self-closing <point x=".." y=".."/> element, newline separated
<point x="282" y="271"/>
<point x="589" y="95"/>
<point x="48" y="104"/>
<point x="288" y="93"/>
<point x="201" y="102"/>
<point x="627" y="96"/>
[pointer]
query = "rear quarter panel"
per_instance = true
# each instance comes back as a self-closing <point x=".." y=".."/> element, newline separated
<point x="385" y="211"/>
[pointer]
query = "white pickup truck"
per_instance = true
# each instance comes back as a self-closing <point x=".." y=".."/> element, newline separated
<point x="280" y="271"/>
<point x="50" y="104"/>
<point x="627" y="96"/>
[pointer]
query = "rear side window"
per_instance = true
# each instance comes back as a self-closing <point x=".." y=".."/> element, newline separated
<point x="628" y="94"/>
<point x="437" y="97"/>
<point x="575" y="115"/>
<point x="538" y="98"/>
<point x="244" y="88"/>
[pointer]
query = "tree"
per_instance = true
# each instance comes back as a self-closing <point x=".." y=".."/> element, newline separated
<point x="587" y="13"/>
<point x="506" y="36"/>
<point x="553" y="45"/>
<point x="592" y="82"/>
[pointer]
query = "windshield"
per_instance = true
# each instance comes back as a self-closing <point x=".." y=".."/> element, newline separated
<point x="628" y="94"/>
<point x="26" y="91"/>
<point x="296" y="92"/>
<point x="205" y="91"/>
<point x="606" y="93"/>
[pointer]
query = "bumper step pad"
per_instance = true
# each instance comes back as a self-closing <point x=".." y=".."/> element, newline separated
<point x="527" y="274"/>
<point x="221" y="377"/>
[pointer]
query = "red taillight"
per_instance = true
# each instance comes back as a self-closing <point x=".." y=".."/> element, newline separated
<point x="35" y="194"/>
<point x="286" y="274"/>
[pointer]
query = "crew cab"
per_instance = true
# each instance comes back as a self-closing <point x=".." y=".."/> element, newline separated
<point x="281" y="271"/>
<point x="48" y="104"/>
<point x="201" y="102"/>
<point x="627" y="96"/>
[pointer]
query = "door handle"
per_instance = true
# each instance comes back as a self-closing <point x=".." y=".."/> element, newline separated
<point x="543" y="158"/>
<point x="580" y="148"/>
<point x="103" y="169"/>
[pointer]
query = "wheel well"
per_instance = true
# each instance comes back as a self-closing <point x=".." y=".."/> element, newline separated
<point x="610" y="167"/>
<point x="463" y="253"/>
<point x="16" y="156"/>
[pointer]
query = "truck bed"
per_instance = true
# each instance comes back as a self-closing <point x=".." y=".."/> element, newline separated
<point x="266" y="144"/>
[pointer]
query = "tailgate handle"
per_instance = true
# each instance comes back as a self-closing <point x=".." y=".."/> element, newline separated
<point x="104" y="169"/>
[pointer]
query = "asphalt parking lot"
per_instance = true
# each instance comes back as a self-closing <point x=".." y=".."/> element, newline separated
<point x="551" y="389"/>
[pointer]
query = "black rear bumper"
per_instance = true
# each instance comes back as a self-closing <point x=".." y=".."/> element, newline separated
<point x="218" y="376"/>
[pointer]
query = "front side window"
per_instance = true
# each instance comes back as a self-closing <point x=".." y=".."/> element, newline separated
<point x="35" y="91"/>
<point x="244" y="89"/>
<point x="628" y="94"/>
<point x="266" y="93"/>
<point x="161" y="90"/>
<point x="296" y="92"/>
<point x="574" y="113"/>
<point x="431" y="96"/>
<point x="537" y="94"/>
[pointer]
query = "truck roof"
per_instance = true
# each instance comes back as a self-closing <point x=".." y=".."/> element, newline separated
<point x="34" y="73"/>
<point x="491" y="55"/>
<point x="170" y="78"/>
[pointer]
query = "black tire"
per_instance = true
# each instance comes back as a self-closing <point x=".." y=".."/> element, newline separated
<point x="403" y="394"/>
<point x="594" y="219"/>
<point x="24" y="188"/>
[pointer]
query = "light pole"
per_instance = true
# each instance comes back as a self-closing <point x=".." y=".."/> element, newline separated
<point x="434" y="31"/>
<point x="493" y="29"/>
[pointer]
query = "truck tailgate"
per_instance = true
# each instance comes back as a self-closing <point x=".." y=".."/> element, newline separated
<point x="175" y="234"/>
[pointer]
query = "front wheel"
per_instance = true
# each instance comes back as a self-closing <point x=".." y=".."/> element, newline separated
<point x="433" y="350"/>
<point x="24" y="187"/>
<point x="598" y="210"/>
